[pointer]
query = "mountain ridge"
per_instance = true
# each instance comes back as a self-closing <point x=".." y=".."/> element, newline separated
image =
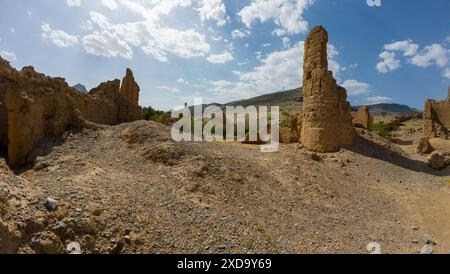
<point x="291" y="100"/>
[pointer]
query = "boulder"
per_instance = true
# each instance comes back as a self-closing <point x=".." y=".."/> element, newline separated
<point x="438" y="160"/>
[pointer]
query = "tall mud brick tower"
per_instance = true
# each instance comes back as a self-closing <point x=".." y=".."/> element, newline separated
<point x="326" y="114"/>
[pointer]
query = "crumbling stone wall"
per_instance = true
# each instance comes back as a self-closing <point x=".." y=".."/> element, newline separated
<point x="363" y="118"/>
<point x="326" y="114"/>
<point x="39" y="106"/>
<point x="3" y="121"/>
<point x="436" y="118"/>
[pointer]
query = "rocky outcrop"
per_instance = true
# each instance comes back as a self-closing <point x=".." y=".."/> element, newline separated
<point x="362" y="118"/>
<point x="436" y="117"/>
<point x="34" y="106"/>
<point x="326" y="115"/>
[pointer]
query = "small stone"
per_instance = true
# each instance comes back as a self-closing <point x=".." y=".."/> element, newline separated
<point x="374" y="248"/>
<point x="221" y="246"/>
<point x="415" y="227"/>
<point x="73" y="248"/>
<point x="414" y="241"/>
<point x="118" y="248"/>
<point x="427" y="249"/>
<point x="53" y="168"/>
<point x="428" y="240"/>
<point x="51" y="204"/>
<point x="127" y="239"/>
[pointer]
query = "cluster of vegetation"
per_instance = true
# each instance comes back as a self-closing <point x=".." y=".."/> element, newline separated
<point x="381" y="128"/>
<point x="150" y="114"/>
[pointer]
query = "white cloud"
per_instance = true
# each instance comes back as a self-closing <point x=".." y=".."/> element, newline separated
<point x="266" y="45"/>
<point x="58" y="37"/>
<point x="407" y="46"/>
<point x="182" y="81"/>
<point x="240" y="34"/>
<point x="73" y="3"/>
<point x="446" y="73"/>
<point x="212" y="10"/>
<point x="286" y="14"/>
<point x="378" y="100"/>
<point x="216" y="38"/>
<point x="350" y="67"/>
<point x="355" y="87"/>
<point x="279" y="70"/>
<point x="286" y="42"/>
<point x="389" y="62"/>
<point x="432" y="55"/>
<point x="169" y="89"/>
<point x="106" y="44"/>
<point x="111" y="4"/>
<point x="220" y="58"/>
<point x="8" y="55"/>
<point x="185" y="44"/>
<point x="149" y="35"/>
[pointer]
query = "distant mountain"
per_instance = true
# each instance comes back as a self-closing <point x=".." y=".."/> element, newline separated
<point x="290" y="98"/>
<point x="291" y="101"/>
<point x="394" y="109"/>
<point x="80" y="88"/>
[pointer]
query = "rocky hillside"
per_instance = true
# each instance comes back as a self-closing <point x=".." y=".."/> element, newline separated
<point x="390" y="109"/>
<point x="287" y="101"/>
<point x="291" y="101"/>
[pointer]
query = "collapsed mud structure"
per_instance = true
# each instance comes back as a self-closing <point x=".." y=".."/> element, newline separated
<point x="34" y="106"/>
<point x="363" y="118"/>
<point x="326" y="114"/>
<point x="436" y="118"/>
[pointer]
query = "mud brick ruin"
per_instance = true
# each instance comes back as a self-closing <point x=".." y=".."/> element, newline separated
<point x="34" y="106"/>
<point x="326" y="114"/>
<point x="436" y="118"/>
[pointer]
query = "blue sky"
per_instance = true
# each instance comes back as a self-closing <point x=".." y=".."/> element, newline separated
<point x="223" y="50"/>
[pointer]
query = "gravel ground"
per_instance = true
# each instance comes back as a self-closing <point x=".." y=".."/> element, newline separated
<point x="130" y="189"/>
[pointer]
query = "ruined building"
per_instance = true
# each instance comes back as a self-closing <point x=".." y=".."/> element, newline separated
<point x="326" y="114"/>
<point x="34" y="106"/>
<point x="436" y="116"/>
<point x="362" y="118"/>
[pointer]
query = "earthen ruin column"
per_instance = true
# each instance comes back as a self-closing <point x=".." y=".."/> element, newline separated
<point x="326" y="115"/>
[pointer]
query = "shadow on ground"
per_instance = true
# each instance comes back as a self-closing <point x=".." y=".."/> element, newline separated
<point x="373" y="150"/>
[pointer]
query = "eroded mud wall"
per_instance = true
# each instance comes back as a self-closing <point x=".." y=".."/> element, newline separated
<point x="39" y="106"/>
<point x="3" y="121"/>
